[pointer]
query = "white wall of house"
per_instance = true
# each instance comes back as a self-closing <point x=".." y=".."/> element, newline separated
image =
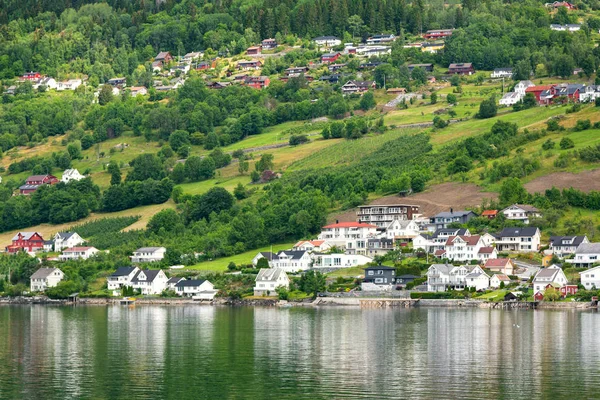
<point x="539" y="284"/>
<point x="205" y="291"/>
<point x="340" y="260"/>
<point x="590" y="278"/>
<point x="76" y="255"/>
<point x="39" y="285"/>
<point x="149" y="256"/>
<point x="156" y="286"/>
<point x="117" y="282"/>
<point x="288" y="264"/>
<point x="73" y="241"/>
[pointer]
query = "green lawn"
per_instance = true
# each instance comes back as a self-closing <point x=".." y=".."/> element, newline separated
<point x="493" y="296"/>
<point x="352" y="272"/>
<point x="220" y="265"/>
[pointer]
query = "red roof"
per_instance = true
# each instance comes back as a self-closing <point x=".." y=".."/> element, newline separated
<point x="72" y="249"/>
<point x="497" y="262"/>
<point x="470" y="240"/>
<point x="539" y="88"/>
<point x="315" y="243"/>
<point x="489" y="213"/>
<point x="439" y="252"/>
<point x="349" y="225"/>
<point x="486" y="250"/>
<point x="502" y="277"/>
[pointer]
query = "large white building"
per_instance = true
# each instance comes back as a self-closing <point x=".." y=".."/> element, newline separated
<point x="45" y="278"/>
<point x="383" y="215"/>
<point x="268" y="280"/>
<point x="339" y="260"/>
<point x="291" y="261"/>
<point x="150" y="281"/>
<point x="467" y="248"/>
<point x="340" y="233"/>
<point x="197" y="289"/>
<point x="71" y="175"/>
<point x="404" y="230"/>
<point x="520" y="240"/>
<point x="148" y="254"/>
<point x="586" y="255"/>
<point x="590" y="279"/>
<point x="521" y="212"/>
<point x="76" y="253"/>
<point x="63" y="240"/>
<point x="120" y="278"/>
<point x="552" y="275"/>
<point x="437" y="241"/>
<point x="477" y="278"/>
<point x="441" y="277"/>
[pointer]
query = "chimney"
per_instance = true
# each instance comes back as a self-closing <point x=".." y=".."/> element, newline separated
<point x="451" y="210"/>
<point x="337" y="221"/>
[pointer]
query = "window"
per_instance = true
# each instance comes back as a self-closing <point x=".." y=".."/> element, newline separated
<point x="378" y="280"/>
<point x="370" y="273"/>
<point x="380" y="272"/>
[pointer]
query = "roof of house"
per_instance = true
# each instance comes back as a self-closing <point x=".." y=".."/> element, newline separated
<point x="519" y="232"/>
<point x="549" y="272"/>
<point x="349" y="225"/>
<point x="269" y="256"/>
<point x="502" y="277"/>
<point x="148" y="249"/>
<point x="449" y="232"/>
<point x="476" y="273"/>
<point x="588" y="248"/>
<point x="497" y="262"/>
<point x="486" y="250"/>
<point x="503" y="69"/>
<point x="408" y="276"/>
<point x="270" y="274"/>
<point x="175" y="279"/>
<point x="524" y="207"/>
<point x="292" y="254"/>
<point x="469" y="240"/>
<point x="190" y="283"/>
<point x="39" y="177"/>
<point x="526" y="83"/>
<point x="75" y="249"/>
<point x="443" y="268"/>
<point x="326" y="38"/>
<point x="162" y="55"/>
<point x="315" y="243"/>
<point x="487" y="213"/>
<point x="449" y="214"/>
<point x="556" y="241"/>
<point x="539" y="88"/>
<point x="28" y="187"/>
<point x="66" y="235"/>
<point x="151" y="274"/>
<point x="460" y="65"/>
<point x="383" y="267"/>
<point x="439" y="252"/>
<point x="123" y="271"/>
<point x="360" y="83"/>
<point x="26" y="235"/>
<point x="43" y="273"/>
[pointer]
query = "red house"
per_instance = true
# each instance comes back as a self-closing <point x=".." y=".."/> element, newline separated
<point x="539" y="296"/>
<point x="164" y="56"/>
<point x="31" y="76"/>
<point x="567" y="290"/>
<point x="543" y="93"/>
<point x="35" y="181"/>
<point x="252" y="51"/>
<point x="257" y="82"/>
<point x="330" y="57"/>
<point x="437" y="33"/>
<point x="461" y="69"/>
<point x="27" y="241"/>
<point x="489" y="214"/>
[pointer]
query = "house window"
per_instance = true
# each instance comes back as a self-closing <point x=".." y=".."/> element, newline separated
<point x="370" y="272"/>
<point x="380" y="272"/>
<point x="378" y="280"/>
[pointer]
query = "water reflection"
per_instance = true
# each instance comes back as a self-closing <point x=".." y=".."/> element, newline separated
<point x="258" y="353"/>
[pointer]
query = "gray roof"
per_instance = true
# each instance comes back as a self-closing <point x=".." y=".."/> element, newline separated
<point x="443" y="268"/>
<point x="547" y="273"/>
<point x="449" y="232"/>
<point x="190" y="283"/>
<point x="43" y="273"/>
<point x="147" y="249"/>
<point x="588" y="248"/>
<point x="524" y="207"/>
<point x="175" y="280"/>
<point x="65" y="235"/>
<point x="293" y="254"/>
<point x="269" y="274"/>
<point x="556" y="241"/>
<point x="518" y="232"/>
<point x="269" y="256"/>
<point x="26" y="235"/>
<point x="382" y="267"/>
<point x="123" y="271"/>
<point x="151" y="274"/>
<point x="450" y="214"/>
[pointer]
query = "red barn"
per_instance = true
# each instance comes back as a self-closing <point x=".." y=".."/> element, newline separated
<point x="257" y="82"/>
<point x="27" y="241"/>
<point x="35" y="181"/>
<point x="539" y="296"/>
<point x="541" y="92"/>
<point x="490" y="214"/>
<point x="330" y="57"/>
<point x="31" y="76"/>
<point x="438" y="33"/>
<point x="252" y="51"/>
<point x="567" y="290"/>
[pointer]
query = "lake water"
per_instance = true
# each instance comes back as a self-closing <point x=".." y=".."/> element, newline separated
<point x="204" y="352"/>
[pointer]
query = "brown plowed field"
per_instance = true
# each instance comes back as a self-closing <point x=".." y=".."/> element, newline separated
<point x="585" y="181"/>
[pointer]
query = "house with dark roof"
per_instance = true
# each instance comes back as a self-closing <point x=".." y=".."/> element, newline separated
<point x="352" y="87"/>
<point x="443" y="219"/>
<point x="264" y="254"/>
<point x="436" y="241"/>
<point x="461" y="69"/>
<point x="148" y="254"/>
<point x="249" y="65"/>
<point x="164" y="56"/>
<point x="63" y="240"/>
<point x="333" y="79"/>
<point x="379" y="278"/>
<point x="174" y="281"/>
<point x="571" y="91"/>
<point x="502" y="73"/>
<point x="330" y="57"/>
<point x="546" y="277"/>
<point x="438" y="33"/>
<point x="120" y="278"/>
<point x="257" y="82"/>
<point x="562" y="246"/>
<point x="150" y="281"/>
<point x="521" y="212"/>
<point x="292" y="260"/>
<point x="520" y="240"/>
<point x="33" y="182"/>
<point x="425" y="67"/>
<point x="382" y="38"/>
<point x="268" y="44"/>
<point x="198" y="289"/>
<point x="295" y="71"/>
<point x="45" y="278"/>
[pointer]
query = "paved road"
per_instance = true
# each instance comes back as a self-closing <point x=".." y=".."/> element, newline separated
<point x="529" y="269"/>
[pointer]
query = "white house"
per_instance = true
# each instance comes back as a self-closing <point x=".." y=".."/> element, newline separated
<point x="590" y="279"/>
<point x="402" y="230"/>
<point x="466" y="248"/>
<point x="327" y="41"/>
<point x="150" y="281"/>
<point x="339" y="260"/>
<point x="521" y="240"/>
<point x="263" y="254"/>
<point x="373" y="51"/>
<point x="376" y="39"/>
<point x="502" y="73"/>
<point x="45" y="278"/>
<point x="121" y="277"/>
<point x="148" y="254"/>
<point x="497" y="280"/>
<point x="552" y="275"/>
<point x="340" y="233"/>
<point x="510" y="98"/>
<point x="521" y="212"/>
<point x="441" y="277"/>
<point x="503" y="266"/>
<point x="48" y="82"/>
<point x="172" y="282"/>
<point x="198" y="289"/>
<point x="291" y="261"/>
<point x="562" y="246"/>
<point x="522" y="86"/>
<point x="190" y="57"/>
<point x="312" y="245"/>
<point x="70" y="84"/>
<point x="138" y="91"/>
<point x="268" y="280"/>
<point x="477" y="278"/>
<point x="63" y="240"/>
<point x="71" y="174"/>
<point x="76" y="253"/>
<point x="487" y="253"/>
<point x="590" y="93"/>
<point x="437" y="241"/>
<point x="586" y="255"/>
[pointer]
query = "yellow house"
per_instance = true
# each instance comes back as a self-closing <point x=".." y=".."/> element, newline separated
<point x="432" y="47"/>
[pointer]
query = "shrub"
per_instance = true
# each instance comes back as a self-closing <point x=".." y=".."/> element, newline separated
<point x="553" y="126"/>
<point x="566" y="143"/>
<point x="582" y="125"/>
<point x="548" y="144"/>
<point x="298" y="139"/>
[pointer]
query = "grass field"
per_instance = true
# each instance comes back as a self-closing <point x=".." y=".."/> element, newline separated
<point x="220" y="264"/>
<point x="352" y="272"/>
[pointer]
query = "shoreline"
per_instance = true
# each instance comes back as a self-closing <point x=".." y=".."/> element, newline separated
<point x="363" y="303"/>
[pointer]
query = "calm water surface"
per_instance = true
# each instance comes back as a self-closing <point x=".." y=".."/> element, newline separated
<point x="204" y="352"/>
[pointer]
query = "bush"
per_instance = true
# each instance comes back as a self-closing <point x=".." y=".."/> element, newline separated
<point x="566" y="143"/>
<point x="553" y="126"/>
<point x="439" y="123"/>
<point x="597" y="102"/>
<point x="582" y="125"/>
<point x="431" y="295"/>
<point x="451" y="98"/>
<point x="548" y="145"/>
<point x="298" y="139"/>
